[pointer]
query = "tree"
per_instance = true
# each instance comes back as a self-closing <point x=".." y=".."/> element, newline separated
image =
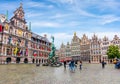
<point x="113" y="52"/>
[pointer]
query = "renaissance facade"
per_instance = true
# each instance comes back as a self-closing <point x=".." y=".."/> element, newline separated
<point x="17" y="41"/>
<point x="75" y="47"/>
<point x="40" y="47"/>
<point x="93" y="50"/>
<point x="85" y="48"/>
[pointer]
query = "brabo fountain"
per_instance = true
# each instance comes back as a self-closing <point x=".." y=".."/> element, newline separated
<point x="52" y="61"/>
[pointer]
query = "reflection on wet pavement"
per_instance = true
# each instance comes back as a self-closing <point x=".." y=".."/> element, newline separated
<point x="30" y="74"/>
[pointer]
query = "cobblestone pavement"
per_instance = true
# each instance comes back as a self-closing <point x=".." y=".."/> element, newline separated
<point x="30" y="74"/>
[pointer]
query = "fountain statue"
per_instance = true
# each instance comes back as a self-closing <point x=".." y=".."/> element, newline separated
<point x="52" y="53"/>
<point x="52" y="61"/>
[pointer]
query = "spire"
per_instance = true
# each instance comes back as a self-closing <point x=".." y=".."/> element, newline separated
<point x="67" y="43"/>
<point x="62" y="45"/>
<point x="29" y="26"/>
<point x="7" y="15"/>
<point x="84" y="36"/>
<point x="21" y="4"/>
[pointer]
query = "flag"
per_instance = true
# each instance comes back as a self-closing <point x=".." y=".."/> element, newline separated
<point x="15" y="51"/>
<point x="26" y="53"/>
<point x="35" y="54"/>
<point x="0" y="28"/>
<point x="9" y="39"/>
<point x="21" y="52"/>
<point x="18" y="52"/>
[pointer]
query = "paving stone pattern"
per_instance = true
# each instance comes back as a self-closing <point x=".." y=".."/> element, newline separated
<point x="30" y="74"/>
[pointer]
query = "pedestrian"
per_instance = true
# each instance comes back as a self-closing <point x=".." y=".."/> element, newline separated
<point x="39" y="61"/>
<point x="80" y="65"/>
<point x="65" y="64"/>
<point x="33" y="60"/>
<point x="89" y="61"/>
<point x="72" y="65"/>
<point x="76" y="62"/>
<point x="103" y="64"/>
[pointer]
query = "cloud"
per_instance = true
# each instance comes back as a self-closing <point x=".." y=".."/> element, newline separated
<point x="67" y="37"/>
<point x="32" y="14"/>
<point x="106" y="19"/>
<point x="112" y="5"/>
<point x="59" y="16"/>
<point x="84" y="13"/>
<point x="82" y="16"/>
<point x="59" y="38"/>
<point x="6" y="6"/>
<point x="45" y="24"/>
<point x="66" y="1"/>
<point x="38" y="5"/>
<point x="72" y="14"/>
<point x="62" y="1"/>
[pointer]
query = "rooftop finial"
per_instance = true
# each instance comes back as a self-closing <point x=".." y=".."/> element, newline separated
<point x="74" y="33"/>
<point x="21" y="3"/>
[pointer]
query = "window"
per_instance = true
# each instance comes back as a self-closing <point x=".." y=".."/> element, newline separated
<point x="9" y="51"/>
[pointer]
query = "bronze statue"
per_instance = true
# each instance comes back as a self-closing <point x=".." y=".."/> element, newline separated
<point x="52" y="61"/>
<point x="52" y="53"/>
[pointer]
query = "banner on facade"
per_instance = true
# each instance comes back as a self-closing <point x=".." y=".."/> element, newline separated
<point x="15" y="51"/>
<point x="20" y="32"/>
<point x="35" y="53"/>
<point x="26" y="53"/>
<point x="6" y="27"/>
<point x="0" y="28"/>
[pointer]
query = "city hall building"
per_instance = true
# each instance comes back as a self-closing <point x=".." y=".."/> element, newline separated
<point x="18" y="44"/>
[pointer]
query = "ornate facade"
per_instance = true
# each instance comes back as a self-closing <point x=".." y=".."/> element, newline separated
<point x="16" y="38"/>
<point x="116" y="41"/>
<point x="40" y="47"/>
<point x="85" y="48"/>
<point x="75" y="48"/>
<point x="62" y="55"/>
<point x="68" y="52"/>
<point x="104" y="47"/>
<point x="95" y="49"/>
<point x="15" y="41"/>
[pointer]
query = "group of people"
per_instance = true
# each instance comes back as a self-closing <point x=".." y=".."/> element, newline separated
<point x="72" y="65"/>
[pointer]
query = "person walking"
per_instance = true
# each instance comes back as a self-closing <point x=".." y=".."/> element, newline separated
<point x="76" y="62"/>
<point x="89" y="61"/>
<point x="72" y="65"/>
<point x="65" y="64"/>
<point x="103" y="64"/>
<point x="80" y="65"/>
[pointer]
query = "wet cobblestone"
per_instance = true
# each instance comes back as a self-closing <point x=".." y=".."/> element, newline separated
<point x="30" y="74"/>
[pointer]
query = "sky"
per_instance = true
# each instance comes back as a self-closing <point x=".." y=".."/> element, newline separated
<point x="61" y="18"/>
